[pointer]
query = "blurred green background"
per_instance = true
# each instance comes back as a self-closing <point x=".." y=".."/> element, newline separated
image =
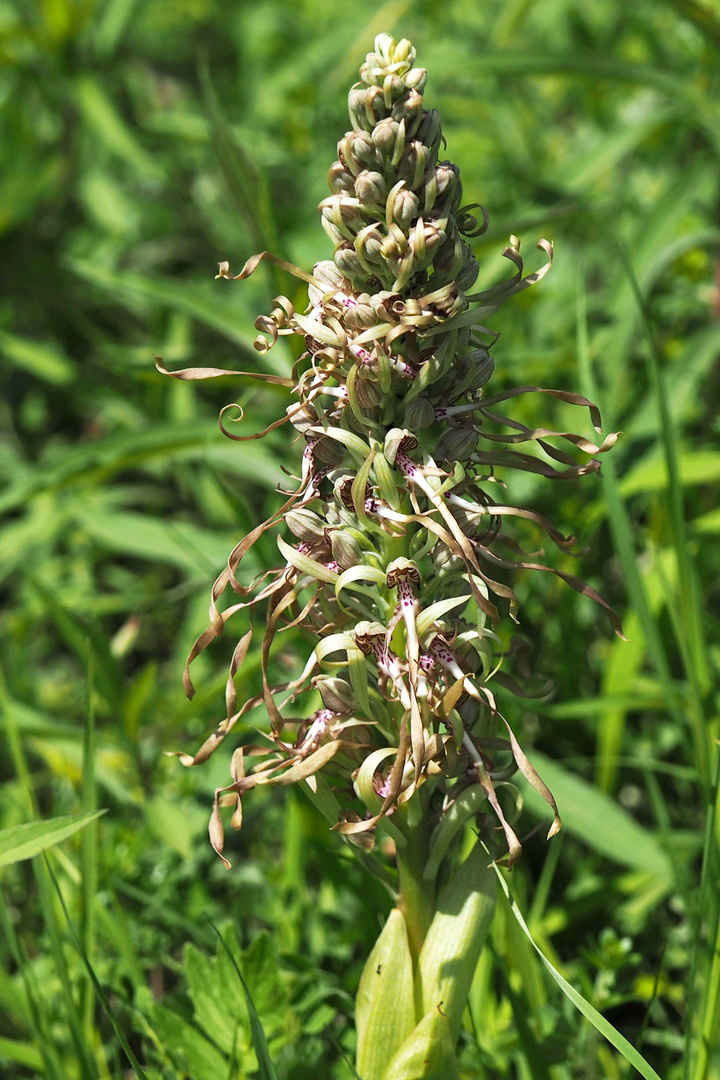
<point x="141" y="142"/>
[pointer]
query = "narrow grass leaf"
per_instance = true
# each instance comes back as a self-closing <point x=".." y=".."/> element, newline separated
<point x="24" y="841"/>
<point x="101" y="995"/>
<point x="260" y="1046"/>
<point x="598" y="1021"/>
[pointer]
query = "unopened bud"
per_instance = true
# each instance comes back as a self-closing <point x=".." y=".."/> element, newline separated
<point x="456" y="444"/>
<point x="337" y="694"/>
<point x="416" y="79"/>
<point x="358" y="151"/>
<point x="328" y="451"/>
<point x="408" y="108"/>
<point x="356" y="105"/>
<point x="419" y="414"/>
<point x="369" y="394"/>
<point x="348" y="263"/>
<point x="445" y="560"/>
<point x="370" y="187"/>
<point x="389" y="138"/>
<point x="345" y="548"/>
<point x="483" y="367"/>
<point x="405" y="208"/>
<point x="341" y="179"/>
<point x="413" y="163"/>
<point x="467" y="276"/>
<point x="448" y="182"/>
<point x="306" y="525"/>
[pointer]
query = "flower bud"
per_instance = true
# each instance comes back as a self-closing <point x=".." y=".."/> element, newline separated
<point x="408" y="108"/>
<point x="328" y="451"/>
<point x="456" y="444"/>
<point x="403" y="209"/>
<point x="345" y="549"/>
<point x="448" y="183"/>
<point x="416" y="79"/>
<point x="341" y="179"/>
<point x="393" y="88"/>
<point x="369" y="394"/>
<point x="370" y="187"/>
<point x="444" y="560"/>
<point x="358" y="151"/>
<point x="327" y="274"/>
<point x="337" y="694"/>
<point x="413" y="163"/>
<point x="483" y="365"/>
<point x="356" y="105"/>
<point x="429" y="131"/>
<point x="306" y="525"/>
<point x="362" y="314"/>
<point x="343" y="211"/>
<point x="348" y="263"/>
<point x="419" y="414"/>
<point x="467" y="276"/>
<point x="389" y="138"/>
<point x="403" y="55"/>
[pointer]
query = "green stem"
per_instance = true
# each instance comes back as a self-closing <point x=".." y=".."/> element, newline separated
<point x="417" y="896"/>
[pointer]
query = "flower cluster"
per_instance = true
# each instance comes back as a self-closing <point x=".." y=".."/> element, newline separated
<point x="394" y="534"/>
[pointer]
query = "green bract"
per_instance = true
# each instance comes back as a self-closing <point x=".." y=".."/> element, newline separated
<point x="394" y="539"/>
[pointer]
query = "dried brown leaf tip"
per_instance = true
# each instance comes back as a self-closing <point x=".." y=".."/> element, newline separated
<point x="391" y="542"/>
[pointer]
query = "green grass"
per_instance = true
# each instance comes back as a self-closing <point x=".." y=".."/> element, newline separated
<point x="143" y="143"/>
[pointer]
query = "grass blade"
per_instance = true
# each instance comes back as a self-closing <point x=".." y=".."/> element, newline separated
<point x="101" y="995"/>
<point x="24" y="841"/>
<point x="583" y="1006"/>
<point x="260" y="1046"/>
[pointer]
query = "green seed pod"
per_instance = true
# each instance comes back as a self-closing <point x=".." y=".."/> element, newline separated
<point x="345" y="548"/>
<point x="456" y="444"/>
<point x="306" y="525"/>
